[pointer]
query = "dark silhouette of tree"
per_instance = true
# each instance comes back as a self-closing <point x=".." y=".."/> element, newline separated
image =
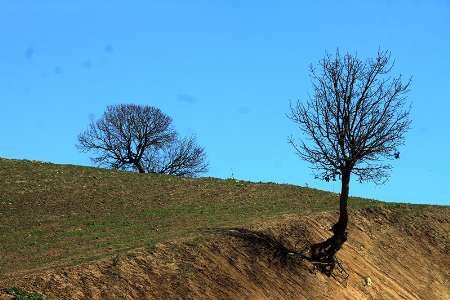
<point x="141" y="138"/>
<point x="353" y="123"/>
<point x="181" y="158"/>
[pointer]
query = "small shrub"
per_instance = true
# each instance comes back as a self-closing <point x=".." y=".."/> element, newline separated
<point x="20" y="294"/>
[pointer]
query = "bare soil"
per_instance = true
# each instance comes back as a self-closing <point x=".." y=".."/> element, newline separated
<point x="392" y="253"/>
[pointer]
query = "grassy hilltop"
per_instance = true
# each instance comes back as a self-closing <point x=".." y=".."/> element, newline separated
<point x="62" y="214"/>
<point x="87" y="233"/>
<point x="54" y="215"/>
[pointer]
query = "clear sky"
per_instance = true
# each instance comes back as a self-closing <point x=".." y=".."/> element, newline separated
<point x="225" y="71"/>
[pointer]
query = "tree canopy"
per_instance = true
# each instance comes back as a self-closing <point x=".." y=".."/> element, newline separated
<point x="356" y="118"/>
<point x="141" y="138"/>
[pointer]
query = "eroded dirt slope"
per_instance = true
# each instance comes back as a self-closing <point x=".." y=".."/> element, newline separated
<point x="404" y="251"/>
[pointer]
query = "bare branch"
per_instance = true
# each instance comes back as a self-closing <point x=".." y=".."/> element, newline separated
<point x="181" y="158"/>
<point x="127" y="137"/>
<point x="357" y="116"/>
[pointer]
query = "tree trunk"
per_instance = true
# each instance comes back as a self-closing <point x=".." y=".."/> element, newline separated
<point x="324" y="253"/>
<point x="139" y="167"/>
<point x="341" y="225"/>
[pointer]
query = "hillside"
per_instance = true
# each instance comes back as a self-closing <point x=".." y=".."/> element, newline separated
<point x="87" y="232"/>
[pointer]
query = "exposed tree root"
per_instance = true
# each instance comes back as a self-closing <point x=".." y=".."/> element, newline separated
<point x="322" y="255"/>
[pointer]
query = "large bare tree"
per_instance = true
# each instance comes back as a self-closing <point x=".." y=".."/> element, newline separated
<point x="141" y="138"/>
<point x="353" y="123"/>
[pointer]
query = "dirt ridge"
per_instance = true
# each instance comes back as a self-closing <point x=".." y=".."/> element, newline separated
<point x="392" y="253"/>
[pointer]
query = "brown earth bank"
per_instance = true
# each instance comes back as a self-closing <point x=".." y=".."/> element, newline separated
<point x="392" y="253"/>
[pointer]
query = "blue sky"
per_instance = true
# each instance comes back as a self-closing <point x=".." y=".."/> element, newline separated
<point x="225" y="71"/>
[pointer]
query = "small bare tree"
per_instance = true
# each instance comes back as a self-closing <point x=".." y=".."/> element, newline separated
<point x="141" y="138"/>
<point x="356" y="118"/>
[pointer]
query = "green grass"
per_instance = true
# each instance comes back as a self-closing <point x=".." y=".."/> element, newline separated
<point x="19" y="294"/>
<point x="53" y="215"/>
